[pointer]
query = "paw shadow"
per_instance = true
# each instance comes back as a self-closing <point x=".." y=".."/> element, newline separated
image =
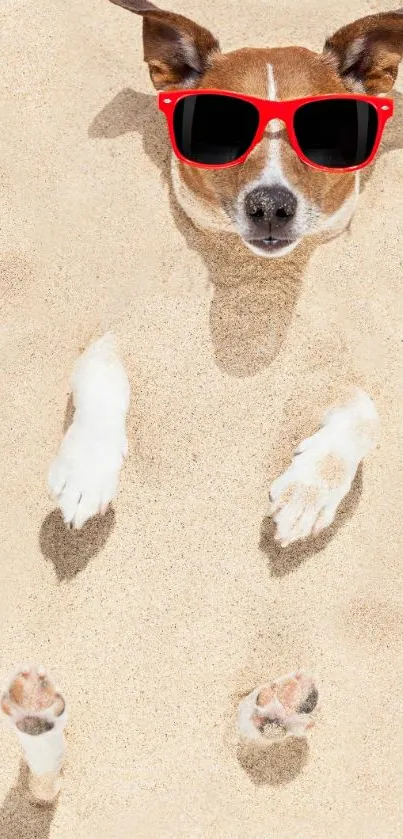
<point x="20" y="818"/>
<point x="276" y="764"/>
<point x="71" y="550"/>
<point x="68" y="414"/>
<point x="284" y="561"/>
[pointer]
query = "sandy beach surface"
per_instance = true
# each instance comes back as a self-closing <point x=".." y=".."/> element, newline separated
<point x="156" y="619"/>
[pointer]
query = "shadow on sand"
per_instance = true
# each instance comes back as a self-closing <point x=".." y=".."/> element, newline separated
<point x="19" y="817"/>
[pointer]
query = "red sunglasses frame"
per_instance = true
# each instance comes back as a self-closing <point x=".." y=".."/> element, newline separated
<point x="268" y="110"/>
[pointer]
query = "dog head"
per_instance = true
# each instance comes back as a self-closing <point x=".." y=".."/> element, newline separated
<point x="272" y="190"/>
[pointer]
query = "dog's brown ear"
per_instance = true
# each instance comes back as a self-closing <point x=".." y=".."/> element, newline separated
<point x="367" y="53"/>
<point x="176" y="50"/>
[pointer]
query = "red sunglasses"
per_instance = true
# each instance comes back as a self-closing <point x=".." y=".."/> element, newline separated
<point x="214" y="129"/>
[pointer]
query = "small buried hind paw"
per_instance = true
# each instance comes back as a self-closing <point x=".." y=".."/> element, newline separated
<point x="282" y="708"/>
<point x="36" y="710"/>
<point x="31" y="692"/>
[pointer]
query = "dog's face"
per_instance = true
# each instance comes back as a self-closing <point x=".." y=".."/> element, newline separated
<point x="273" y="200"/>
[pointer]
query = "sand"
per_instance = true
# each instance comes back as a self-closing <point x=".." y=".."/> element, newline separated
<point x="155" y="619"/>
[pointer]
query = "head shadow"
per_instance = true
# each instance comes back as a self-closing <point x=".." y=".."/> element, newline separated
<point x="20" y="818"/>
<point x="393" y="136"/>
<point x="253" y="298"/>
<point x="283" y="561"/>
<point x="392" y="139"/>
<point x="276" y="764"/>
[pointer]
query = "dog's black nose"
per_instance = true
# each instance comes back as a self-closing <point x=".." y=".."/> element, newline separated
<point x="270" y="207"/>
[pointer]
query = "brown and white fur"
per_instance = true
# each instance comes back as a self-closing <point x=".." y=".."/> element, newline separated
<point x="37" y="712"/>
<point x="246" y="199"/>
<point x="285" y="707"/>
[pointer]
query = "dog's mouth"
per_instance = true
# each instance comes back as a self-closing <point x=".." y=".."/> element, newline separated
<point x="270" y="244"/>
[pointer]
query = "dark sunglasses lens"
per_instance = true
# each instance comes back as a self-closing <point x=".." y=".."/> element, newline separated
<point x="337" y="133"/>
<point x="214" y="129"/>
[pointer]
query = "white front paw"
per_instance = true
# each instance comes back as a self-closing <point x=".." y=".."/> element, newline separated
<point x="84" y="476"/>
<point x="306" y="497"/>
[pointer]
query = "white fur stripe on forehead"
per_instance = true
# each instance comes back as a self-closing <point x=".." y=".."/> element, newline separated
<point x="273" y="172"/>
<point x="275" y="124"/>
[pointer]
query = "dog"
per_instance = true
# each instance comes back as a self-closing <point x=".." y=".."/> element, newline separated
<point x="274" y="201"/>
